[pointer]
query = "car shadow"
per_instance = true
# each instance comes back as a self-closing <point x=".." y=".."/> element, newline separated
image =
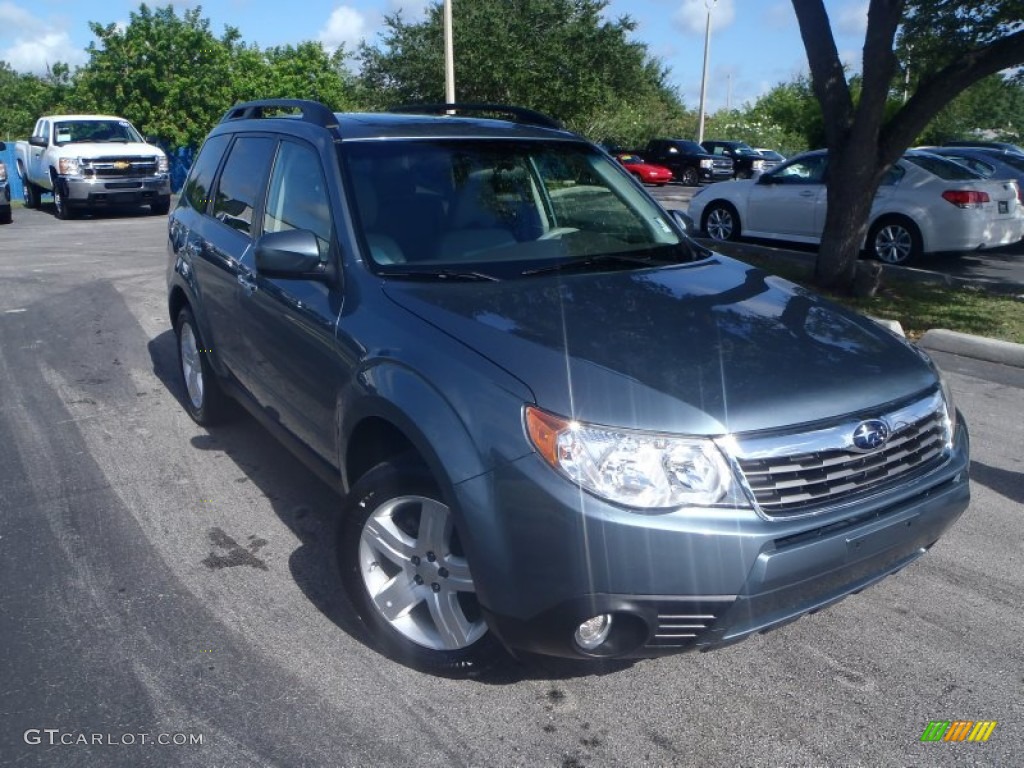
<point x="309" y="508"/>
<point x="1002" y="481"/>
<point x="112" y="212"/>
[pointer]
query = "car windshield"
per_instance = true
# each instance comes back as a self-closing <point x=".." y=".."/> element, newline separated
<point x="502" y="208"/>
<point x="77" y="131"/>
<point x="744" y="149"/>
<point x="943" y="167"/>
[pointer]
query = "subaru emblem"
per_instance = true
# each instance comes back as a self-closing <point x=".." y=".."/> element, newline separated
<point x="870" y="435"/>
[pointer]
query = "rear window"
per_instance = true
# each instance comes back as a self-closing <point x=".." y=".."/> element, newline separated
<point x="948" y="170"/>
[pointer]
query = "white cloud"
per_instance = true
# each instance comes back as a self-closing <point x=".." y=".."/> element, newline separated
<point x="31" y="44"/>
<point x="691" y="16"/>
<point x="345" y="26"/>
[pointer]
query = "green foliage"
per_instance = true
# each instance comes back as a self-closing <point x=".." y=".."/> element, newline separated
<point x="27" y="97"/>
<point x="995" y="104"/>
<point x="556" y="56"/>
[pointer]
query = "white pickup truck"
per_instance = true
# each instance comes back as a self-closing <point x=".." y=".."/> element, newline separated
<point x="91" y="161"/>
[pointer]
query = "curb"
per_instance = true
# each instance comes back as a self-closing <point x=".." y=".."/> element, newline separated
<point x="977" y="347"/>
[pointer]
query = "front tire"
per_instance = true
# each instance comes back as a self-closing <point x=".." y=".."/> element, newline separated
<point x="161" y="206"/>
<point x="406" y="575"/>
<point x="690" y="177"/>
<point x="895" y="240"/>
<point x="721" y="222"/>
<point x="60" y="200"/>
<point x="204" y="401"/>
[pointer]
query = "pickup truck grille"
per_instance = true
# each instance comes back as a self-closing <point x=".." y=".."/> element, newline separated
<point x="786" y="479"/>
<point x="722" y="162"/>
<point x="118" y="167"/>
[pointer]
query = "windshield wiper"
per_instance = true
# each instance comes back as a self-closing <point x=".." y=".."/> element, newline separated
<point x="440" y="274"/>
<point x="591" y="262"/>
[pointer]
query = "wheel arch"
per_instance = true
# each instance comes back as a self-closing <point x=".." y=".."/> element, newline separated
<point x="912" y="219"/>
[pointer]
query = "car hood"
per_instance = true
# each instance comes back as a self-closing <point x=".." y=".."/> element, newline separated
<point x="713" y="347"/>
<point x="110" y="149"/>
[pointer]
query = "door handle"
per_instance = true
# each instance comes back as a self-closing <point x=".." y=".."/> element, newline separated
<point x="248" y="284"/>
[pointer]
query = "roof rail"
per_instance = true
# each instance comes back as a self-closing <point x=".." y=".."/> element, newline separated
<point x="519" y="114"/>
<point x="311" y="111"/>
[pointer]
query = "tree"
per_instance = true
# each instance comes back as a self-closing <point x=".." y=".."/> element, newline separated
<point x="956" y="43"/>
<point x="27" y="96"/>
<point x="556" y="56"/>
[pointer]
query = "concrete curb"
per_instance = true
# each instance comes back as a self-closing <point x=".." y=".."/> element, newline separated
<point x="977" y="347"/>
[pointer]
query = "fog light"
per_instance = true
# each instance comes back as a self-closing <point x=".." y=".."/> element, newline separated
<point x="592" y="632"/>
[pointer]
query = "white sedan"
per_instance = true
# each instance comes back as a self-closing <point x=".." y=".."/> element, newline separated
<point x="926" y="203"/>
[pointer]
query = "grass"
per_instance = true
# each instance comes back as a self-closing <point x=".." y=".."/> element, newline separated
<point x="918" y="306"/>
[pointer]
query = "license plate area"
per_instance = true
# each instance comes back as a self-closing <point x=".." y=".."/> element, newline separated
<point x="1004" y="206"/>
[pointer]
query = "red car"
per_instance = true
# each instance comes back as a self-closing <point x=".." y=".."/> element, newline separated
<point x="645" y="172"/>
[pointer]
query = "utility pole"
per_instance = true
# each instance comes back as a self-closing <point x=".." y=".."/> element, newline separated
<point x="449" y="55"/>
<point x="709" y="4"/>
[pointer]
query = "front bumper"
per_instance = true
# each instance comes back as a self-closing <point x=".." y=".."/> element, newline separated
<point x="551" y="557"/>
<point x="129" y="191"/>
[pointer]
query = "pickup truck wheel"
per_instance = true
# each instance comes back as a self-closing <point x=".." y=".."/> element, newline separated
<point x="31" y="190"/>
<point x="60" y="200"/>
<point x="690" y="177"/>
<point x="5" y="215"/>
<point x="205" y="402"/>
<point x="161" y="206"/>
<point x="406" y="575"/>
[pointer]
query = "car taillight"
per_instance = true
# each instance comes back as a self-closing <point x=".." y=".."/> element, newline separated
<point x="965" y="198"/>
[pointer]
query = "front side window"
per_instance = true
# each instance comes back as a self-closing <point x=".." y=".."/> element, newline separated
<point x="509" y="204"/>
<point x="810" y="170"/>
<point x="240" y="181"/>
<point x="297" y="195"/>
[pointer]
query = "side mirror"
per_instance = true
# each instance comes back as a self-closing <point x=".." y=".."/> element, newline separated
<point x="763" y="178"/>
<point x="293" y="254"/>
<point x="683" y="220"/>
<point x="38" y="141"/>
<point x="756" y="175"/>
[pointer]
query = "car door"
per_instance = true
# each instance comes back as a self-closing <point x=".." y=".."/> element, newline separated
<point x="790" y="201"/>
<point x="223" y="243"/>
<point x="289" y="324"/>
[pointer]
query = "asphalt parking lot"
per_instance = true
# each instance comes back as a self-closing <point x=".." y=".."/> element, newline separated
<point x="160" y="579"/>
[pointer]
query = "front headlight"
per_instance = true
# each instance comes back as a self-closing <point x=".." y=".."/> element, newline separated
<point x="947" y="395"/>
<point x="69" y="166"/>
<point x="3" y="172"/>
<point x="161" y="164"/>
<point x="707" y="163"/>
<point x="643" y="470"/>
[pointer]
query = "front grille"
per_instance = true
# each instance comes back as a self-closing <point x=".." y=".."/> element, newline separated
<point x="791" y="482"/>
<point x="118" y="167"/>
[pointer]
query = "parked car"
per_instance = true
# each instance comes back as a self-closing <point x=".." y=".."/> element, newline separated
<point x="645" y="173"/>
<point x="1004" y="146"/>
<point x="990" y="163"/>
<point x="771" y="158"/>
<point x="688" y="161"/>
<point x="926" y="203"/>
<point x="90" y="162"/>
<point x="5" y="191"/>
<point x="746" y="160"/>
<point x="560" y="425"/>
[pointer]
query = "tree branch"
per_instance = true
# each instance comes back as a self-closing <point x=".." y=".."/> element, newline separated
<point x="934" y="93"/>
<point x="827" y="76"/>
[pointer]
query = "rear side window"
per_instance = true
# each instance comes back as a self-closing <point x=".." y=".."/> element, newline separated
<point x="196" y="193"/>
<point x="241" y="180"/>
<point x="297" y="198"/>
<point x="943" y="168"/>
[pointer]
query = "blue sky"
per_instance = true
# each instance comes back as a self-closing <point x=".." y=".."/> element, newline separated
<point x="755" y="44"/>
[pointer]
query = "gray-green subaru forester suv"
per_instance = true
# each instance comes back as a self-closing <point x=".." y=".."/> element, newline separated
<point x="558" y="424"/>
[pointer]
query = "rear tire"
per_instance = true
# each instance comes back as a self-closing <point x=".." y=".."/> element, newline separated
<point x="204" y="400"/>
<point x="895" y="240"/>
<point x="31" y="190"/>
<point x="406" y="576"/>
